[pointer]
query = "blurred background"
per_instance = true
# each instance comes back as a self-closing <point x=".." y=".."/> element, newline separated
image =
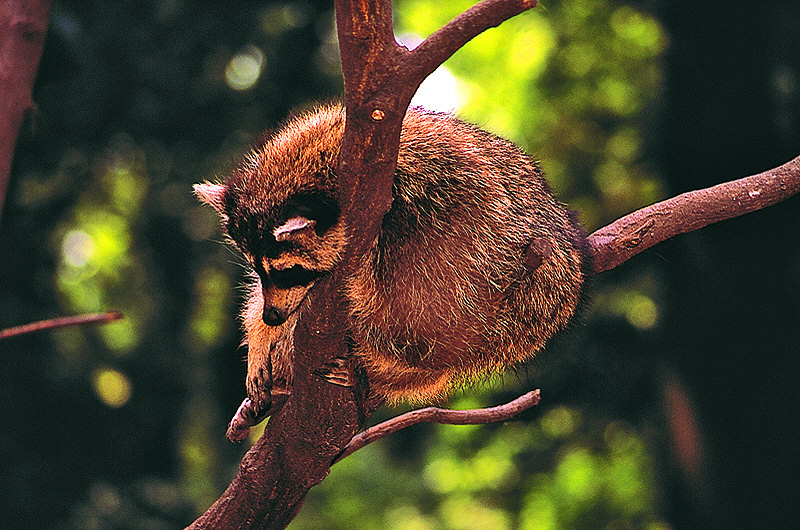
<point x="671" y="403"/>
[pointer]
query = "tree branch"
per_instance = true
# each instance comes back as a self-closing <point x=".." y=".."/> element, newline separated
<point x="314" y="426"/>
<point x="437" y="48"/>
<point x="61" y="322"/>
<point x="22" y="31"/>
<point x="626" y="237"/>
<point x="439" y="415"/>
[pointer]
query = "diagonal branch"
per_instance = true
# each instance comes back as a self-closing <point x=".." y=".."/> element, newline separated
<point x="626" y="237"/>
<point x="611" y="246"/>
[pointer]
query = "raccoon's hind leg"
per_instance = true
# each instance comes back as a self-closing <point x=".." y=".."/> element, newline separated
<point x="395" y="380"/>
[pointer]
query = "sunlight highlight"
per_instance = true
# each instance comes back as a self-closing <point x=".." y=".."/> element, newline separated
<point x="77" y="248"/>
<point x="440" y="92"/>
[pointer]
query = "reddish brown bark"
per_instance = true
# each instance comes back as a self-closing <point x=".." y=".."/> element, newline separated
<point x="618" y="242"/>
<point x="23" y="25"/>
<point x="304" y="437"/>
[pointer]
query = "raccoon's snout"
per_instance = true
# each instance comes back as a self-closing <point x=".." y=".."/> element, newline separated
<point x="273" y="316"/>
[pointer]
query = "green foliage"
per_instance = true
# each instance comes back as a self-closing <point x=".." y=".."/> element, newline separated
<point x="137" y="101"/>
<point x="561" y="471"/>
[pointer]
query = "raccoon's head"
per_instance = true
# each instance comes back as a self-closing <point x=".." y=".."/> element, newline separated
<point x="289" y="245"/>
<point x="280" y="207"/>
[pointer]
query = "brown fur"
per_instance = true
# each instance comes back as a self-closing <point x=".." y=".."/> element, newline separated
<point x="456" y="286"/>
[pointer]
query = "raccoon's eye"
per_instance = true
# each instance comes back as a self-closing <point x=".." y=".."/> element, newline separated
<point x="322" y="208"/>
<point x="296" y="276"/>
<point x="293" y="228"/>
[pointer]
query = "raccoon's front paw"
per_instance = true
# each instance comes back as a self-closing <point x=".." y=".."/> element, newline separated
<point x="259" y="390"/>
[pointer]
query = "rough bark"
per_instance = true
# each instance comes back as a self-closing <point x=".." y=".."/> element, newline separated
<point x="23" y="25"/>
<point x="618" y="242"/>
<point x="302" y="440"/>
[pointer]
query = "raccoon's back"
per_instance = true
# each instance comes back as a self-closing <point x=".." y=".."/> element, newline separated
<point x="447" y="276"/>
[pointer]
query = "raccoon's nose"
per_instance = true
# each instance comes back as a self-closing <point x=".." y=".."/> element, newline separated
<point x="273" y="316"/>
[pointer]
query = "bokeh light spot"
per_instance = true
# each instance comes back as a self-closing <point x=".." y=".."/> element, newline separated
<point x="577" y="474"/>
<point x="77" y="248"/>
<point x="641" y="311"/>
<point x="559" y="422"/>
<point x="443" y="475"/>
<point x="121" y="336"/>
<point x="539" y="513"/>
<point x="281" y="18"/>
<point x="244" y="69"/>
<point x="112" y="387"/>
<point x="461" y="511"/>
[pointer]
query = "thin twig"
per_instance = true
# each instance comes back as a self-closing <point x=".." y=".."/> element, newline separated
<point x="61" y="322"/>
<point x="443" y="43"/>
<point x="439" y="415"/>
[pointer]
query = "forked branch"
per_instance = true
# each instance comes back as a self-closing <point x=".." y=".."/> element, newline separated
<point x="318" y="420"/>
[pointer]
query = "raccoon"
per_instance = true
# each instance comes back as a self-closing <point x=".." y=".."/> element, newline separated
<point x="475" y="267"/>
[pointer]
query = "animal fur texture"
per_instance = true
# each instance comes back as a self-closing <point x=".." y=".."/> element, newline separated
<point x="476" y="265"/>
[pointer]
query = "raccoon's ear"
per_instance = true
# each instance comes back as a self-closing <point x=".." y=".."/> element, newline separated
<point x="293" y="227"/>
<point x="212" y="195"/>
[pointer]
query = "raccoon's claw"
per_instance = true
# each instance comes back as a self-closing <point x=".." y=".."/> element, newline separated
<point x="337" y="372"/>
<point x="246" y="416"/>
<point x="266" y="395"/>
<point x="251" y="413"/>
